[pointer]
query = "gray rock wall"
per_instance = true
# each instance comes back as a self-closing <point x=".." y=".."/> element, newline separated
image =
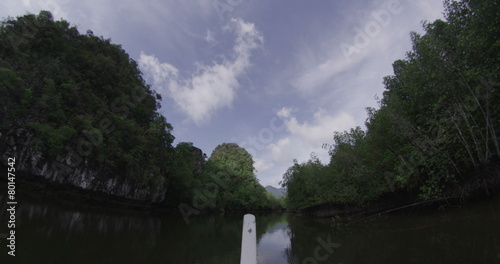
<point x="63" y="171"/>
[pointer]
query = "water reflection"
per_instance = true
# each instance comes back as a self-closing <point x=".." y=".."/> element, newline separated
<point x="50" y="231"/>
<point x="71" y="221"/>
<point x="275" y="239"/>
<point x="465" y="235"/>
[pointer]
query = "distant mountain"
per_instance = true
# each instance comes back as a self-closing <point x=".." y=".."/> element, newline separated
<point x="275" y="191"/>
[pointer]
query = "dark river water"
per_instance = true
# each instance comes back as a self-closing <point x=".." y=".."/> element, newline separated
<point x="50" y="231"/>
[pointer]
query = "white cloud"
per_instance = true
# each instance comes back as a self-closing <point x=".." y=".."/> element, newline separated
<point x="279" y="150"/>
<point x="158" y="72"/>
<point x="320" y="131"/>
<point x="209" y="38"/>
<point x="262" y="165"/>
<point x="432" y="9"/>
<point x="214" y="86"/>
<point x="302" y="139"/>
<point x="285" y="112"/>
<point x="26" y="3"/>
<point x="309" y="137"/>
<point x="320" y="74"/>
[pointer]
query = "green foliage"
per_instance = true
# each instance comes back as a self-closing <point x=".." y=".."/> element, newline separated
<point x="188" y="173"/>
<point x="436" y="127"/>
<point x="80" y="95"/>
<point x="239" y="188"/>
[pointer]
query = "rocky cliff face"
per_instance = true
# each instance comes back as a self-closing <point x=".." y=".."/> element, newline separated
<point x="76" y="112"/>
<point x="62" y="172"/>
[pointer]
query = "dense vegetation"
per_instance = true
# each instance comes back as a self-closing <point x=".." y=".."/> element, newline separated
<point x="226" y="181"/>
<point x="241" y="188"/>
<point x="67" y="92"/>
<point x="77" y="100"/>
<point x="435" y="134"/>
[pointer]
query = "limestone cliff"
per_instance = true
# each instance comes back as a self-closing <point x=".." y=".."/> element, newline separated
<point x="61" y="172"/>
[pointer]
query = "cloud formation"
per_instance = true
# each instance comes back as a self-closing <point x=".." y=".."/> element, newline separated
<point x="212" y="87"/>
<point x="308" y="137"/>
<point x="302" y="139"/>
<point x="379" y="31"/>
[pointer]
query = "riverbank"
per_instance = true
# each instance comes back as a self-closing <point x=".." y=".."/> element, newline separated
<point x="65" y="194"/>
<point x="398" y="203"/>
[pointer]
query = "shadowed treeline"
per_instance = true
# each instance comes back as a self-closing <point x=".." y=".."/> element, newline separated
<point x="436" y="132"/>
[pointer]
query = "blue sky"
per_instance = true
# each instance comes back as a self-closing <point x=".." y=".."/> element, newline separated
<point x="277" y="77"/>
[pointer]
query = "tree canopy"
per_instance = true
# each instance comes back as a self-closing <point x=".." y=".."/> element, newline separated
<point x="240" y="188"/>
<point x="69" y="92"/>
<point x="435" y="134"/>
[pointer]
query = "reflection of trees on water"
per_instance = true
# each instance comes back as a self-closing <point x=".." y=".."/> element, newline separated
<point x="270" y="223"/>
<point x="131" y="237"/>
<point x="137" y="236"/>
<point x="464" y="235"/>
<point x="78" y="227"/>
<point x="74" y="221"/>
<point x="303" y="233"/>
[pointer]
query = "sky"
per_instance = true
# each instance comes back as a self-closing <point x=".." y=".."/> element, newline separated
<point x="276" y="77"/>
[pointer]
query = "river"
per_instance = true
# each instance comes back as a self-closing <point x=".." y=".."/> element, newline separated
<point x="49" y="230"/>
